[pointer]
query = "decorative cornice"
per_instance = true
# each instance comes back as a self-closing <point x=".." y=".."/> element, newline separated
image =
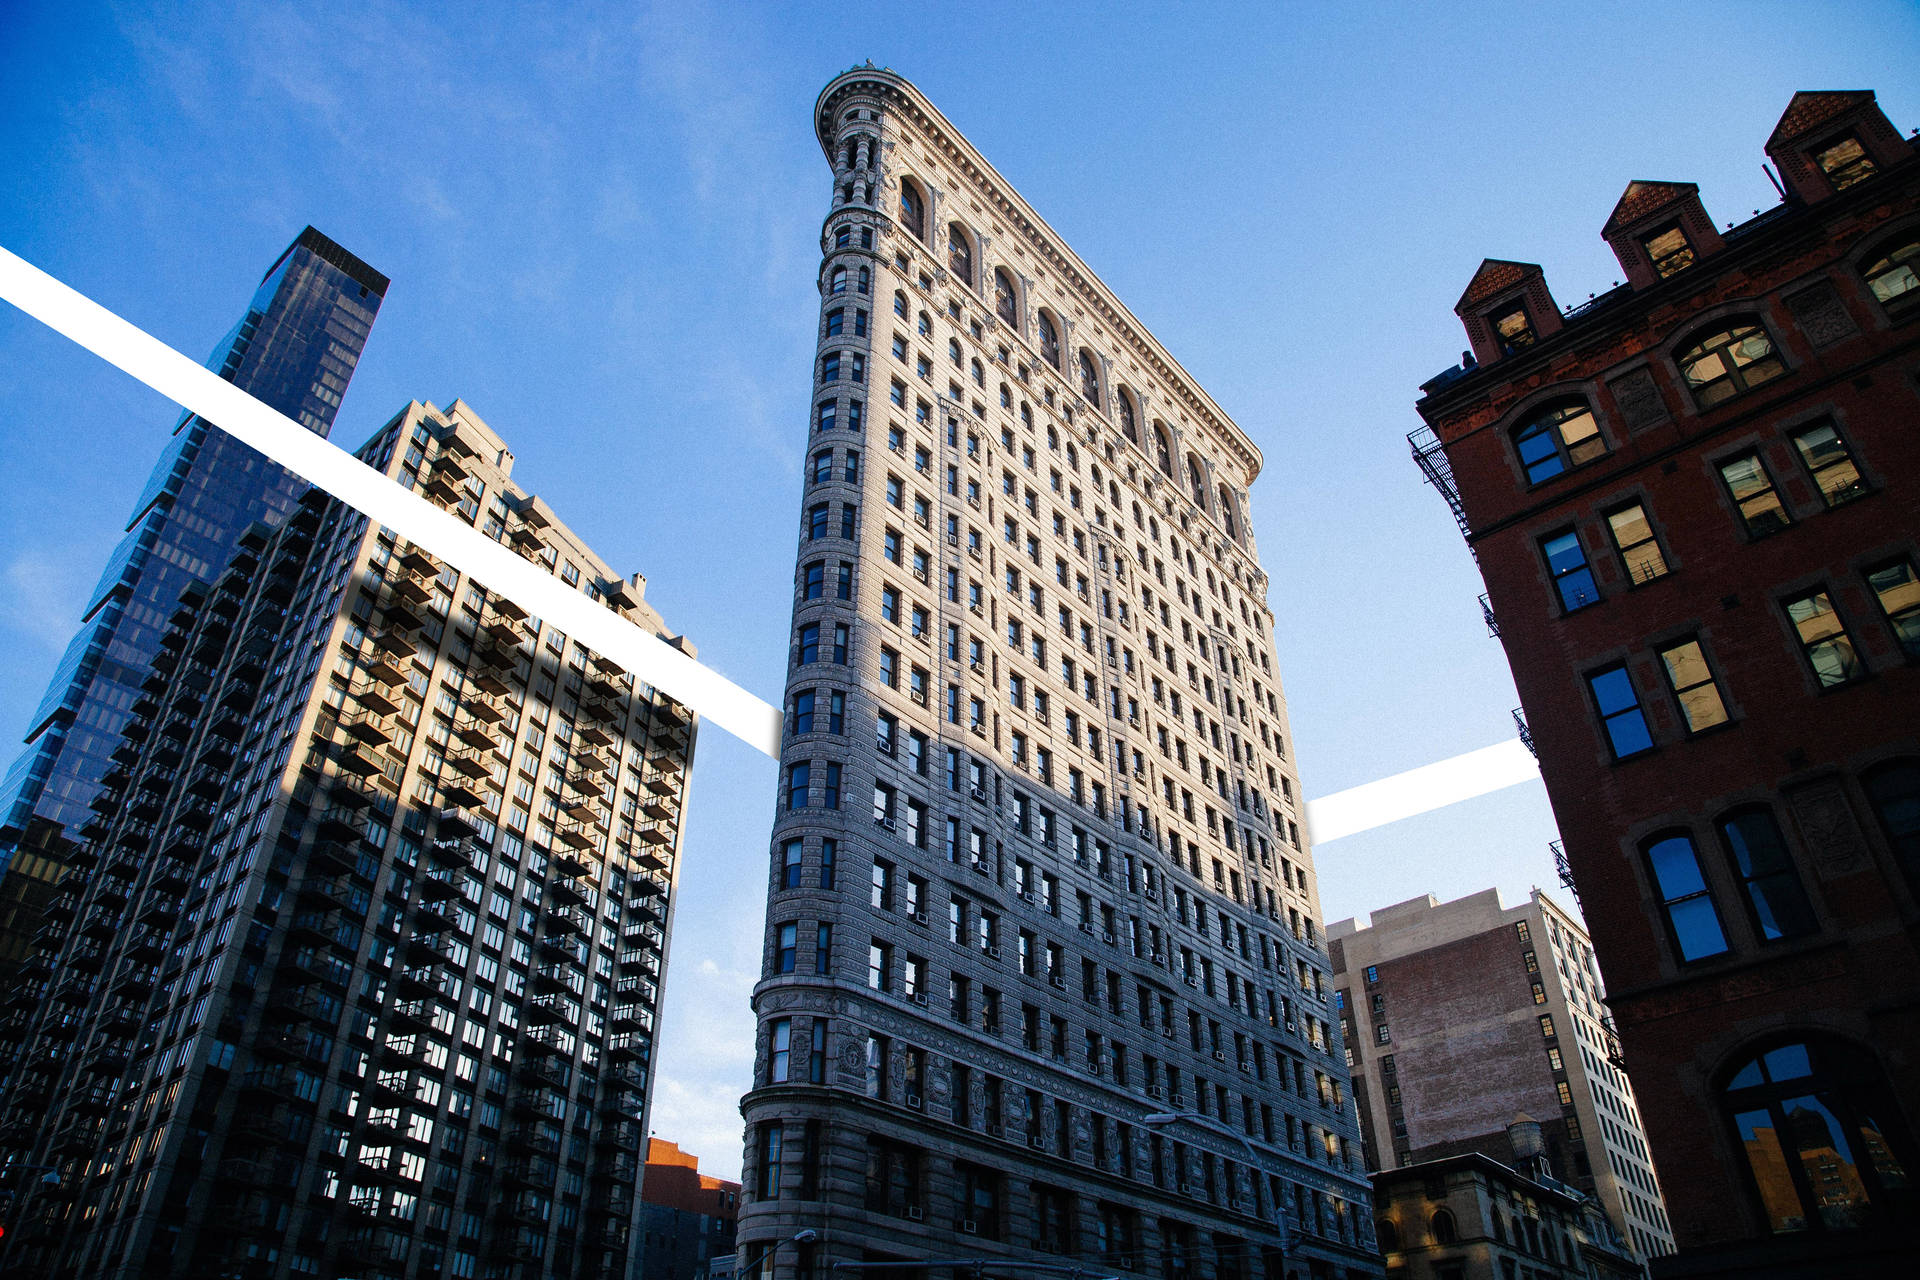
<point x="1051" y="246"/>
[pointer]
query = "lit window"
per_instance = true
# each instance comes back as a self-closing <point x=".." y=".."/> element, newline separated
<point x="1633" y="539"/>
<point x="1823" y="638"/>
<point x="1827" y="460"/>
<point x="1567" y="562"/>
<point x="1891" y="276"/>
<point x="1776" y="903"/>
<point x="1691" y="680"/>
<point x="1668" y="250"/>
<point x="1728" y="362"/>
<point x="1560" y="438"/>
<point x="1897" y="588"/>
<point x="1512" y="330"/>
<point x="1753" y="492"/>
<point x="1619" y="709"/>
<point x="1691" y="917"/>
<point x="1844" y="161"/>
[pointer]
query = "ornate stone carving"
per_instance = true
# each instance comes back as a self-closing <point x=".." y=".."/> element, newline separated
<point x="1638" y="398"/>
<point x="1828" y="826"/>
<point x="1820" y="315"/>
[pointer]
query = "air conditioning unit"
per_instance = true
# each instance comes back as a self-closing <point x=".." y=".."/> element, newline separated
<point x="1219" y="1056"/>
<point x="1107" y="938"/>
<point x="1246" y="1066"/>
<point x="1058" y="981"/>
<point x="1026" y="895"/>
<point x="919" y="998"/>
<point x="1190" y="980"/>
<point x="993" y="952"/>
<point x="1037" y="1142"/>
<point x="983" y="868"/>
<point x="953" y="539"/>
<point x="915" y="1213"/>
<point x="1153" y="894"/>
<point x="913" y="1099"/>
<point x="1178" y="1099"/>
<point x="1153" y="1091"/>
<point x="1086" y="926"/>
<point x="979" y="793"/>
<point x="919" y="917"/>
<point x="976" y="664"/>
<point x="1186" y="1188"/>
<point x="994" y="1131"/>
<point x="1167" y="1032"/>
<point x="969" y="1226"/>
<point x="886" y="824"/>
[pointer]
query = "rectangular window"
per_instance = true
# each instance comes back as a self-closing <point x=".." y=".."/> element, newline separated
<point x="1668" y="250"/>
<point x="823" y="951"/>
<point x="1567" y="562"/>
<point x="1823" y="639"/>
<point x="1752" y="491"/>
<point x="780" y="1051"/>
<point x="1897" y="588"/>
<point x="1619" y="709"/>
<point x="1825" y="456"/>
<point x="1633" y="539"/>
<point x="770" y="1161"/>
<point x="790" y="864"/>
<point x="1691" y="680"/>
<point x="797" y="785"/>
<point x="1776" y="904"/>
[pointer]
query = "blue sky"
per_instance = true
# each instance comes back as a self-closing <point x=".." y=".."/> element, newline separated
<point x="602" y="222"/>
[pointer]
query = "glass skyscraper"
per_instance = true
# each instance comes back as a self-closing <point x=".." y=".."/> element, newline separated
<point x="295" y="349"/>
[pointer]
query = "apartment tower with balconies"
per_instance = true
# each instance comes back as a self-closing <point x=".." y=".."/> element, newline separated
<point x="356" y="967"/>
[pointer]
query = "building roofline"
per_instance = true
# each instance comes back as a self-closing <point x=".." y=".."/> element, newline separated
<point x="1053" y="246"/>
<point x="330" y="251"/>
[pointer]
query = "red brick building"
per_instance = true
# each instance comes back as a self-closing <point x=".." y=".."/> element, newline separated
<point x="1695" y="501"/>
<point x="687" y="1218"/>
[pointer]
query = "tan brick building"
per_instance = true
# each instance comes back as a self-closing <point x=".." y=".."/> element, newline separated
<point x="1460" y="1015"/>
<point x="1042" y="979"/>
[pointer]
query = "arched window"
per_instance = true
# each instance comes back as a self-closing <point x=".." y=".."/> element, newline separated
<point x="1728" y="361"/>
<point x="1163" y="446"/>
<point x="1558" y="438"/>
<point x="1228" y="519"/>
<point x="1129" y="425"/>
<point x="1893" y="789"/>
<point x="979" y="373"/>
<point x="1197" y="479"/>
<point x="900" y="304"/>
<point x="1389" y="1234"/>
<point x="1822" y="1137"/>
<point x="1049" y="341"/>
<point x="837" y="280"/>
<point x="960" y="254"/>
<point x="1891" y="275"/>
<point x="1776" y="903"/>
<point x="1089" y="378"/>
<point x="1003" y="303"/>
<point x="913" y="209"/>
<point x="1692" y="920"/>
<point x="1441" y="1225"/>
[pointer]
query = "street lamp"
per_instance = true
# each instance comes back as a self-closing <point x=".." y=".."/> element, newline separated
<point x="1256" y="1155"/>
<point x="806" y="1235"/>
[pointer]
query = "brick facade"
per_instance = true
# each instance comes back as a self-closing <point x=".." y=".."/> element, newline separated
<point x="1766" y="784"/>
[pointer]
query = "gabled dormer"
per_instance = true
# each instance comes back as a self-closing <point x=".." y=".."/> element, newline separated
<point x="1830" y="139"/>
<point x="1659" y="229"/>
<point x="1506" y="309"/>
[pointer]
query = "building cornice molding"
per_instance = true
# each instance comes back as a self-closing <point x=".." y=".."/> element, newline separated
<point x="987" y="182"/>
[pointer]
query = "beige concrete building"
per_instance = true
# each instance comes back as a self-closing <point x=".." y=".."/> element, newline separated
<point x="358" y="966"/>
<point x="1470" y="1217"/>
<point x="1042" y="983"/>
<point x="1460" y="1015"/>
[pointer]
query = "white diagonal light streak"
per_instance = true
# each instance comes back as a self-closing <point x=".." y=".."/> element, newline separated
<point x="717" y="699"/>
<point x="204" y="392"/>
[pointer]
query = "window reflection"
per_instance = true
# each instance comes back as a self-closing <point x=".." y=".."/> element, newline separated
<point x="1813" y="1120"/>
